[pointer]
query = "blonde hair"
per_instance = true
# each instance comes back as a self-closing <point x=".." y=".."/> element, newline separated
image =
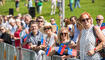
<point x="59" y="34"/>
<point x="7" y="31"/>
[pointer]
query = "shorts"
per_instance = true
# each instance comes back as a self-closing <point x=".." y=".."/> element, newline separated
<point x="17" y="4"/>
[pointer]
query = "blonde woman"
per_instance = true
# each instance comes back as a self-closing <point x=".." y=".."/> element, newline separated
<point x="50" y="37"/>
<point x="64" y="38"/>
<point x="5" y="37"/>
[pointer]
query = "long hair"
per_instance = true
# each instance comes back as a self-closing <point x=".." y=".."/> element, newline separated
<point x="59" y="34"/>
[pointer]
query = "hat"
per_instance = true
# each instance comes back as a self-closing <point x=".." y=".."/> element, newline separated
<point x="48" y="24"/>
<point x="11" y="20"/>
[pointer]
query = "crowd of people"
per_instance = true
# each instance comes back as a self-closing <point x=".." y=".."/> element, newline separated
<point x="37" y="34"/>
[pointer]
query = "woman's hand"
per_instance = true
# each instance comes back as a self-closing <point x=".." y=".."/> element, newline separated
<point x="91" y="52"/>
<point x="42" y="46"/>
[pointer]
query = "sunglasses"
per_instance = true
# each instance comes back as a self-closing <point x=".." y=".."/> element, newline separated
<point x="83" y="20"/>
<point x="47" y="28"/>
<point x="71" y="20"/>
<point x="1" y="29"/>
<point x="40" y="21"/>
<point x="99" y="19"/>
<point x="63" y="34"/>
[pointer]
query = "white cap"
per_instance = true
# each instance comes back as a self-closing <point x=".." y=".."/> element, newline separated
<point x="11" y="20"/>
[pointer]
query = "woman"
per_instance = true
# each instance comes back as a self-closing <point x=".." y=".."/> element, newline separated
<point x="50" y="37"/>
<point x="64" y="39"/>
<point x="88" y="48"/>
<point x="5" y="37"/>
<point x="17" y="33"/>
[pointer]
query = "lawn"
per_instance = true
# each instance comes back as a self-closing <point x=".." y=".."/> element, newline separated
<point x="86" y="6"/>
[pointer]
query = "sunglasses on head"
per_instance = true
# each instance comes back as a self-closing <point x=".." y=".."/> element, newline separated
<point x="63" y="34"/>
<point x="47" y="28"/>
<point x="83" y="20"/>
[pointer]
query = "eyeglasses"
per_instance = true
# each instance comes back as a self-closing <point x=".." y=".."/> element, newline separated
<point x="99" y="19"/>
<point x="83" y="20"/>
<point x="71" y="20"/>
<point x="40" y="21"/>
<point x="1" y="29"/>
<point x="47" y="28"/>
<point x="63" y="34"/>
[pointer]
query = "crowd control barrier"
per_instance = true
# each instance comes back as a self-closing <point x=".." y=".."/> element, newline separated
<point x="9" y="52"/>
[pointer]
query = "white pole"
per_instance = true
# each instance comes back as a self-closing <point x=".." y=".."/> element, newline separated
<point x="62" y="13"/>
<point x="63" y="8"/>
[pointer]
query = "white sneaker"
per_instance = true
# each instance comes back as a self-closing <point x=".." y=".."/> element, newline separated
<point x="51" y="13"/>
<point x="54" y="13"/>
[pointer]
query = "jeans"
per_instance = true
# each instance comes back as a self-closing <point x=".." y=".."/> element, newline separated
<point x="40" y="9"/>
<point x="36" y="6"/>
<point x="53" y="8"/>
<point x="71" y="8"/>
<point x="77" y="4"/>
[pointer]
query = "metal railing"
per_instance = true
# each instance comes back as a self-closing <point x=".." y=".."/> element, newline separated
<point x="9" y="52"/>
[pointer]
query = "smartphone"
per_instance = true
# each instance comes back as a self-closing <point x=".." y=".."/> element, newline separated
<point x="39" y="43"/>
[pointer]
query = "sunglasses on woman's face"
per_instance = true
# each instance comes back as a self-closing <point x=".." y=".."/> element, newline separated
<point x="40" y="21"/>
<point x="47" y="28"/>
<point x="63" y="34"/>
<point x="86" y="19"/>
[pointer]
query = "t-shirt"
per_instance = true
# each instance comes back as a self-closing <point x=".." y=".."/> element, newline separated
<point x="34" y="39"/>
<point x="71" y="1"/>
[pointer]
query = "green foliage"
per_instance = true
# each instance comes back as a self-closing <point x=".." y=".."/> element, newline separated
<point x="86" y="6"/>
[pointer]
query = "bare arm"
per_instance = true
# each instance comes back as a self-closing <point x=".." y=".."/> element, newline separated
<point x="100" y="36"/>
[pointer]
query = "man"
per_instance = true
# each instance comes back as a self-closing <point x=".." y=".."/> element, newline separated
<point x="53" y="7"/>
<point x="12" y="27"/>
<point x="40" y="22"/>
<point x="27" y="21"/>
<point x="75" y="32"/>
<point x="59" y="6"/>
<point x="99" y="20"/>
<point x="34" y="41"/>
<point x="17" y="5"/>
<point x="52" y="20"/>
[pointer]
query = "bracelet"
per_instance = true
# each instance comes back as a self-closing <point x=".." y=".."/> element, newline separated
<point x="95" y="50"/>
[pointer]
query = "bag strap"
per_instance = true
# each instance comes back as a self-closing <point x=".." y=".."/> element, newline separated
<point x="94" y="32"/>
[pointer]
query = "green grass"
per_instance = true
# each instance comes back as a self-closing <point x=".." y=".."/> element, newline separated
<point x="86" y="6"/>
